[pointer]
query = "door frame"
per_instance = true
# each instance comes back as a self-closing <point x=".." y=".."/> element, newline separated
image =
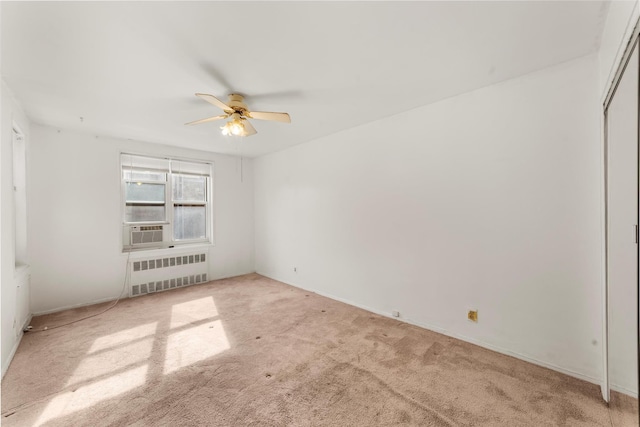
<point x="633" y="40"/>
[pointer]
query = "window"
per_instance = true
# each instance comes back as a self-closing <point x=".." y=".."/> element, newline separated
<point x="19" y="197"/>
<point x="166" y="202"/>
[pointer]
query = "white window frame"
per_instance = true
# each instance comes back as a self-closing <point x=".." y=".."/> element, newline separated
<point x="169" y="203"/>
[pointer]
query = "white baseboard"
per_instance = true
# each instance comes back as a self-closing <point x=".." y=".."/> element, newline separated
<point x="624" y="390"/>
<point x="84" y="304"/>
<point x="443" y="331"/>
<point x="7" y="363"/>
<point x="214" y="278"/>
<point x="99" y="301"/>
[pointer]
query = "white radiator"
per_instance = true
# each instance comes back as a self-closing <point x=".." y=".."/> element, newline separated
<point x="155" y="274"/>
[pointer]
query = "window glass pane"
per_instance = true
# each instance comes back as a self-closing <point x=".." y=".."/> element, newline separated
<point x="189" y="187"/>
<point x="139" y="192"/>
<point x="142" y="175"/>
<point x="189" y="222"/>
<point x="141" y="213"/>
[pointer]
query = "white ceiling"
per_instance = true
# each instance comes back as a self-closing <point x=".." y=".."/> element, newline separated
<point x="131" y="69"/>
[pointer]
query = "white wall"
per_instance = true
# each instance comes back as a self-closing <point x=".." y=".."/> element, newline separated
<point x="621" y="18"/>
<point x="75" y="226"/>
<point x="488" y="200"/>
<point x="15" y="300"/>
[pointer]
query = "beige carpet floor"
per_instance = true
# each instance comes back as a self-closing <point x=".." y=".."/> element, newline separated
<point x="252" y="351"/>
<point x="624" y="410"/>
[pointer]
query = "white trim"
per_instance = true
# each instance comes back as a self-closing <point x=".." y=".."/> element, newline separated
<point x="7" y="363"/>
<point x="21" y="270"/>
<point x="624" y="391"/>
<point x="84" y="304"/>
<point x="612" y="79"/>
<point x="625" y="51"/>
<point x="15" y="127"/>
<point x="624" y="41"/>
<point x="126" y="296"/>
<point x="103" y="300"/>
<point x="215" y="278"/>
<point x="451" y="334"/>
<point x="604" y="386"/>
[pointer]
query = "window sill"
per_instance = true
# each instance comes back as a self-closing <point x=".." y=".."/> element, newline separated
<point x="177" y="249"/>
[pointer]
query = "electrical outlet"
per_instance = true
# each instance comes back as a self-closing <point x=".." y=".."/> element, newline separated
<point x="295" y="269"/>
<point x="473" y="315"/>
<point x="395" y="313"/>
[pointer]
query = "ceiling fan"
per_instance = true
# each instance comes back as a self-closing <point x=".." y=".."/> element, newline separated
<point x="239" y="113"/>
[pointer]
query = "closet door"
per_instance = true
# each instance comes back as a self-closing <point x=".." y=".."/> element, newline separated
<point x="622" y="248"/>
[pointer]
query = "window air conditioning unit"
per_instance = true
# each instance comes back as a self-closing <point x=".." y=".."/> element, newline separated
<point x="144" y="234"/>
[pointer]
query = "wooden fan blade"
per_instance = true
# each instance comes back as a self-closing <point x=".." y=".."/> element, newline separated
<point x="265" y="115"/>
<point x="209" y="119"/>
<point x="215" y="101"/>
<point x="248" y="128"/>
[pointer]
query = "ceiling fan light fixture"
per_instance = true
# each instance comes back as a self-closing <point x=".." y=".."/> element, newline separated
<point x="234" y="127"/>
<point x="237" y="128"/>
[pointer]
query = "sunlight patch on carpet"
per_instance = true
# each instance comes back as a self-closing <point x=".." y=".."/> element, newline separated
<point x="89" y="395"/>
<point x="195" y="344"/>
<point x="193" y="311"/>
<point x="123" y="337"/>
<point x="108" y="362"/>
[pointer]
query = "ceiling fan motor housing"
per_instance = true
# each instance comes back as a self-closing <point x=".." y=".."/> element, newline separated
<point x="237" y="103"/>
